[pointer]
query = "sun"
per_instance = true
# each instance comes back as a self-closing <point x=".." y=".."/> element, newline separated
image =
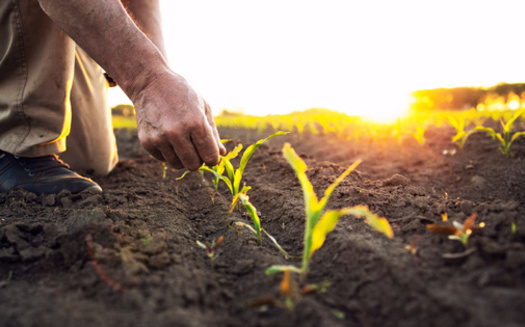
<point x="385" y="108"/>
<point x="386" y="114"/>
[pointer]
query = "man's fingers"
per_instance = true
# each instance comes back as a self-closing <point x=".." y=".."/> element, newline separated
<point x="182" y="150"/>
<point x="206" y="145"/>
<point x="156" y="154"/>
<point x="170" y="157"/>
<point x="211" y="122"/>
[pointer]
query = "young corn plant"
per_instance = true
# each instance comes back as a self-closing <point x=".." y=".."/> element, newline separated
<point x="256" y="229"/>
<point x="505" y="138"/>
<point x="233" y="176"/>
<point x="419" y="134"/>
<point x="220" y="167"/>
<point x="318" y="222"/>
<point x="211" y="248"/>
<point x="461" y="135"/>
<point x="457" y="231"/>
<point x="289" y="293"/>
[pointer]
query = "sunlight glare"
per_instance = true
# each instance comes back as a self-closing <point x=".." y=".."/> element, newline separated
<point x="385" y="108"/>
<point x="514" y="104"/>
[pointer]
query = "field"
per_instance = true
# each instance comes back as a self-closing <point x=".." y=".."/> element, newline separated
<point x="129" y="257"/>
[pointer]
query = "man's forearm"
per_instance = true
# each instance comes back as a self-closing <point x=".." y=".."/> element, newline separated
<point x="146" y="14"/>
<point x="105" y="31"/>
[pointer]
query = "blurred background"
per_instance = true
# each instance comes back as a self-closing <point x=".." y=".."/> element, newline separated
<point x="356" y="57"/>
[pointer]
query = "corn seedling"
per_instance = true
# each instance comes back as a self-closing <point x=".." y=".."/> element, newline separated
<point x="289" y="292"/>
<point x="256" y="229"/>
<point x="457" y="231"/>
<point x="320" y="223"/>
<point x="233" y="176"/>
<point x="221" y="166"/>
<point x="412" y="247"/>
<point x="211" y="249"/>
<point x="445" y="194"/>
<point x="505" y="138"/>
<point x="461" y="135"/>
<point x="419" y="134"/>
<point x="164" y="169"/>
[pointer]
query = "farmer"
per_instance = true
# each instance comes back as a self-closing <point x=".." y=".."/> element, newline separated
<point x="53" y="93"/>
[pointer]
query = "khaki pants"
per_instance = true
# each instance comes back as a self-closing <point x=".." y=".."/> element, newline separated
<point x="53" y="96"/>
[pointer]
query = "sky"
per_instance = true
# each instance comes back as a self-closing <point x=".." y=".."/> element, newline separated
<point x="357" y="57"/>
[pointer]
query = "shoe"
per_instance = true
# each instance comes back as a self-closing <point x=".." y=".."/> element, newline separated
<point x="41" y="175"/>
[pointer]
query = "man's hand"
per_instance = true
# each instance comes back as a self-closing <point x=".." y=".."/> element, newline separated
<point x="175" y="124"/>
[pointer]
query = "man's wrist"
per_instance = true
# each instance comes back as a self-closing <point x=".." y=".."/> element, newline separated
<point x="143" y="73"/>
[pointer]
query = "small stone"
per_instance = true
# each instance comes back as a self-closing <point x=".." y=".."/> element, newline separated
<point x="397" y="180"/>
<point x="49" y="200"/>
<point x="66" y="202"/>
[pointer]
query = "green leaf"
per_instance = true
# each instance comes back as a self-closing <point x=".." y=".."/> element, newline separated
<point x="488" y="130"/>
<point x="219" y="168"/>
<point x="240" y="223"/>
<point x="509" y="124"/>
<point x="234" y="153"/>
<point x="458" y="136"/>
<point x="202" y="245"/>
<point x="245" y="200"/>
<point x="219" y="176"/>
<point x="283" y="252"/>
<point x="183" y="175"/>
<point x="501" y="139"/>
<point x="325" y="225"/>
<point x="516" y="135"/>
<point x="235" y="199"/>
<point x="245" y="189"/>
<point x="328" y="192"/>
<point x="247" y="155"/>
<point x="277" y="268"/>
<point x="230" y="171"/>
<point x="299" y="166"/>
<point x="378" y="223"/>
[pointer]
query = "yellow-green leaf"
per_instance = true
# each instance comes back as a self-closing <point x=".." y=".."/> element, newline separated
<point x="246" y="156"/>
<point x="278" y="268"/>
<point x="325" y="225"/>
<point x="219" y="176"/>
<point x="508" y="125"/>
<point x="299" y="166"/>
<point x="328" y="192"/>
<point x="516" y="135"/>
<point x="378" y="223"/>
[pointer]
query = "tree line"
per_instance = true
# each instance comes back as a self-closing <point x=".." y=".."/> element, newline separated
<point x="499" y="97"/>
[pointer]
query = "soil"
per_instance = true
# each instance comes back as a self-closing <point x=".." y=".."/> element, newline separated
<point x="129" y="257"/>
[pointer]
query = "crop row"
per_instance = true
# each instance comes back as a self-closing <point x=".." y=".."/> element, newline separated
<point x="318" y="221"/>
<point x="413" y="126"/>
